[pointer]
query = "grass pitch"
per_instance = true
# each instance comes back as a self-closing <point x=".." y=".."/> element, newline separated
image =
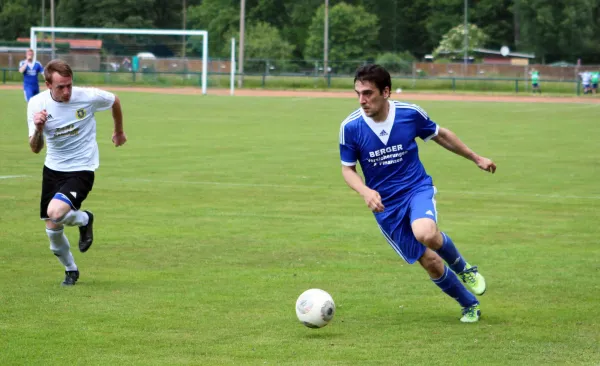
<point x="220" y="211"/>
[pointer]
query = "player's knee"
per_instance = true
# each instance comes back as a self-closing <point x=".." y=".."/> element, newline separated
<point x="427" y="234"/>
<point x="56" y="213"/>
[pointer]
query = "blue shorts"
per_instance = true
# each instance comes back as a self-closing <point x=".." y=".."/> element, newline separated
<point x="395" y="222"/>
<point x="535" y="85"/>
<point x="30" y="92"/>
<point x="595" y="86"/>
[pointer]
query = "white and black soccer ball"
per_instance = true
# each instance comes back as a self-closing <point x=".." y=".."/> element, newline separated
<point x="315" y="308"/>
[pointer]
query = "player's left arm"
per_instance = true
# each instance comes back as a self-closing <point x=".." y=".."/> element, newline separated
<point x="448" y="140"/>
<point x="119" y="137"/>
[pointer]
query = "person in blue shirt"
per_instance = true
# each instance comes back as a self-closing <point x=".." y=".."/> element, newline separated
<point x="30" y="71"/>
<point x="381" y="137"/>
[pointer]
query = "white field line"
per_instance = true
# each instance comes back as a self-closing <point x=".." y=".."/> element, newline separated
<point x="13" y="176"/>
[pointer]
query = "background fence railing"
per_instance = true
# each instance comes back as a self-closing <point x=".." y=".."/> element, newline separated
<point x="280" y="80"/>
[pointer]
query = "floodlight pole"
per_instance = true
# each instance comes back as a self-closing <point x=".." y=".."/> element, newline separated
<point x="326" y="39"/>
<point x="466" y="39"/>
<point x="52" y="25"/>
<point x="241" y="45"/>
<point x="183" y="26"/>
<point x="43" y="17"/>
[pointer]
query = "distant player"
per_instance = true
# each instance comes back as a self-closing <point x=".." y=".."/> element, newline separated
<point x="64" y="116"/>
<point x="595" y="82"/>
<point x="586" y="80"/>
<point x="380" y="136"/>
<point x="535" y="82"/>
<point x="30" y="71"/>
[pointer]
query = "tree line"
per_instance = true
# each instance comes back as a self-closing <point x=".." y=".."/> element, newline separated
<point x="565" y="30"/>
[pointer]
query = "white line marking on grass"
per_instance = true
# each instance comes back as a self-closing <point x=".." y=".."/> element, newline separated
<point x="13" y="176"/>
<point x="548" y="197"/>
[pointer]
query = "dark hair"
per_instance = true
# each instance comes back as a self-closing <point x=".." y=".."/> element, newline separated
<point x="375" y="74"/>
<point x="59" y="66"/>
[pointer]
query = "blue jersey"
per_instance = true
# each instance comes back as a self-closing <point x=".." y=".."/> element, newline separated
<point x="30" y="75"/>
<point x="387" y="151"/>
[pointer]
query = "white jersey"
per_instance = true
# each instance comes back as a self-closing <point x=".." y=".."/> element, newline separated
<point x="70" y="129"/>
<point x="586" y="77"/>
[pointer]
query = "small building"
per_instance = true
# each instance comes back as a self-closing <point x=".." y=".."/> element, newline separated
<point x="76" y="46"/>
<point x="494" y="57"/>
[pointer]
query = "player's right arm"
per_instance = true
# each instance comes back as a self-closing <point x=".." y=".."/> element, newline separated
<point x="354" y="181"/>
<point x="36" y="122"/>
<point x="349" y="156"/>
<point x="22" y="66"/>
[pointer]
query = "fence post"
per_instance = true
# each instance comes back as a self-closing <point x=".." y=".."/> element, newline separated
<point x="264" y="80"/>
<point x="3" y="76"/>
<point x="328" y="80"/>
<point x="517" y="86"/>
<point x="453" y="84"/>
<point x="578" y="88"/>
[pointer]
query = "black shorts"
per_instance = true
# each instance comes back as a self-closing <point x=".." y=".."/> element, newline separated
<point x="71" y="187"/>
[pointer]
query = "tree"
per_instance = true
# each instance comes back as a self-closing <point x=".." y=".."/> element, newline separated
<point x="263" y="41"/>
<point x="454" y="40"/>
<point x="441" y="16"/>
<point x="495" y="17"/>
<point x="561" y="29"/>
<point x="220" y="18"/>
<point x="353" y="33"/>
<point x="16" y="17"/>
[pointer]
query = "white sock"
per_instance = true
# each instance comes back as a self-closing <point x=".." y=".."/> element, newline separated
<point x="59" y="245"/>
<point x="75" y="218"/>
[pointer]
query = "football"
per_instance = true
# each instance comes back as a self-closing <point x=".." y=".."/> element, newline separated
<point x="315" y="308"/>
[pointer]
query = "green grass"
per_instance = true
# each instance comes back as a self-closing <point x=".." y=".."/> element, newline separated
<point x="220" y="211"/>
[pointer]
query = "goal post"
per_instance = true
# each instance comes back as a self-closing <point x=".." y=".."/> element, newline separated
<point x="130" y="31"/>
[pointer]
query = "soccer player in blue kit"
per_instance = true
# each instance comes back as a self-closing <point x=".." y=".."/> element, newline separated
<point x="381" y="135"/>
<point x="30" y="71"/>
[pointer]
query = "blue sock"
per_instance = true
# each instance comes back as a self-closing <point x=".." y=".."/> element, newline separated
<point x="450" y="254"/>
<point x="451" y="285"/>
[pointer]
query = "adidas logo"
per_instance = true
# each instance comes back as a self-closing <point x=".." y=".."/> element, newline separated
<point x="49" y="117"/>
<point x="383" y="133"/>
<point x="429" y="213"/>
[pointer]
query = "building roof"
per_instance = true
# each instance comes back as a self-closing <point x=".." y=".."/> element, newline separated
<point x="510" y="54"/>
<point x="75" y="44"/>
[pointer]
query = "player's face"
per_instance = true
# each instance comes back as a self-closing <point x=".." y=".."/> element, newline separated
<point x="372" y="101"/>
<point x="61" y="87"/>
<point x="29" y="55"/>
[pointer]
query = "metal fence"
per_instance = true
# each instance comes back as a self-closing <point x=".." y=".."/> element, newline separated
<point x="295" y="74"/>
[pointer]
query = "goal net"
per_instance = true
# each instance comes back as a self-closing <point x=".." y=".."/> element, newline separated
<point x="132" y="56"/>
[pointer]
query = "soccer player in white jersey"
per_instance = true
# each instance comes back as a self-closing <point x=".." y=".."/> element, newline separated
<point x="380" y="136"/>
<point x="64" y="116"/>
<point x="586" y="80"/>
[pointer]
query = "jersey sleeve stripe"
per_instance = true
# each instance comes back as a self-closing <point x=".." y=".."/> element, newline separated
<point x="349" y="119"/>
<point x="437" y="130"/>
<point x="346" y="163"/>
<point x="413" y="107"/>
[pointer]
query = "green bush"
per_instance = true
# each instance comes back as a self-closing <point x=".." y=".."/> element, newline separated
<point x="396" y="63"/>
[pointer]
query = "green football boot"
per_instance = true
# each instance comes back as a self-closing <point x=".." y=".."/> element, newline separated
<point x="473" y="280"/>
<point x="471" y="314"/>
